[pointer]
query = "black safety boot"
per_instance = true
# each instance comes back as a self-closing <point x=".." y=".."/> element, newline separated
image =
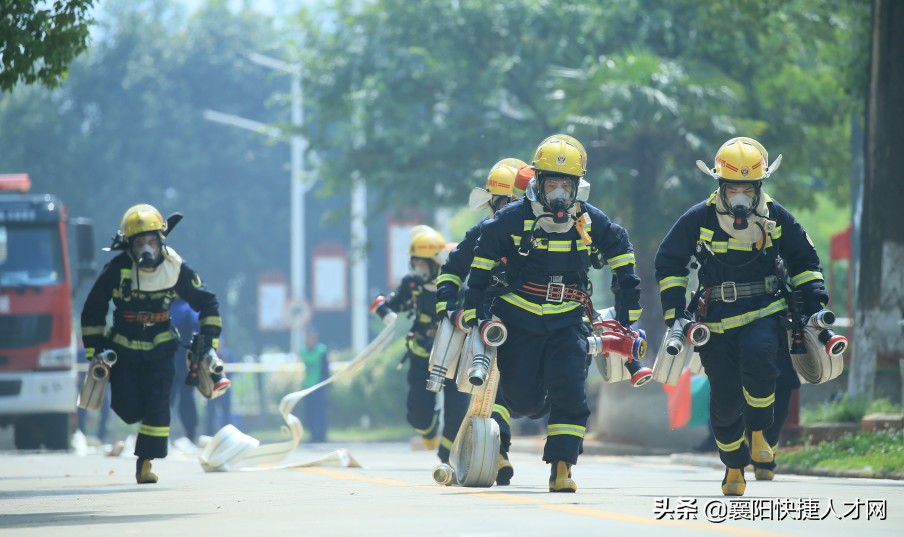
<point x="504" y="470"/>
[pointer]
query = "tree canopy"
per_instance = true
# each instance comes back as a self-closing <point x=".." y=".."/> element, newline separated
<point x="38" y="40"/>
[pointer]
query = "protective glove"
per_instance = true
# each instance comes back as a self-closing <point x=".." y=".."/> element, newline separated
<point x="625" y="301"/>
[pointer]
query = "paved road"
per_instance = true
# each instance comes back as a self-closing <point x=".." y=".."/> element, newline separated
<point x="65" y="494"/>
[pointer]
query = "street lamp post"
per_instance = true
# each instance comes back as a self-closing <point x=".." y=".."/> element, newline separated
<point x="298" y="188"/>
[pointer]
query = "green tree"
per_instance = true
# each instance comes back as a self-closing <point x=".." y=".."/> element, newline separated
<point x="39" y="40"/>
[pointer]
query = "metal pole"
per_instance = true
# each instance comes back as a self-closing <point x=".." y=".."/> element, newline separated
<point x="359" y="263"/>
<point x="297" y="236"/>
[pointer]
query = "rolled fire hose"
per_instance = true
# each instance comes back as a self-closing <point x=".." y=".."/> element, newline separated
<point x="230" y="449"/>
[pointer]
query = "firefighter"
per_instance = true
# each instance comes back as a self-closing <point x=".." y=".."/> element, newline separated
<point x="417" y="294"/>
<point x="143" y="281"/>
<point x="743" y="242"/>
<point x="506" y="182"/>
<point x="546" y="239"/>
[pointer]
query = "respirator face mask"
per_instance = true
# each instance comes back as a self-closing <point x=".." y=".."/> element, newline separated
<point x="740" y="203"/>
<point x="146" y="249"/>
<point x="559" y="197"/>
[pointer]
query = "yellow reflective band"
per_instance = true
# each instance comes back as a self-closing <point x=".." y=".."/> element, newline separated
<point x="745" y="318"/>
<point x="149" y="430"/>
<point x="89" y="353"/>
<point x="503" y="413"/>
<point x="672" y="281"/>
<point x="483" y="263"/>
<point x="555" y="429"/>
<point x="162" y="337"/>
<point x="213" y="320"/>
<point x="669" y="314"/>
<point x="469" y="315"/>
<point x="633" y="315"/>
<point x="417" y="350"/>
<point x="215" y="342"/>
<point x="559" y="246"/>
<point x="767" y="198"/>
<point x="712" y="198"/>
<point x="441" y="307"/>
<point x="540" y="309"/>
<point x="735" y="244"/>
<point x="93" y="330"/>
<point x="424" y="318"/>
<point x="528" y="225"/>
<point x="516" y="240"/>
<point x="620" y="260"/>
<point x="579" y="245"/>
<point x="759" y="402"/>
<point x="449" y="277"/>
<point x="125" y="273"/>
<point x="806" y="276"/>
<point x="734" y="446"/>
<point x="706" y="234"/>
<point x="777" y="233"/>
<point x="446" y="443"/>
<point x="720" y="247"/>
<point x="429" y="429"/>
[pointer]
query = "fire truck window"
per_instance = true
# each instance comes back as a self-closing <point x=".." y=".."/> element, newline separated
<point x="30" y="255"/>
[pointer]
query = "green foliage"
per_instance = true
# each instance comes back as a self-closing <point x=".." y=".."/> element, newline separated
<point x="378" y="392"/>
<point x="845" y="410"/>
<point x="38" y="40"/>
<point x="881" y="452"/>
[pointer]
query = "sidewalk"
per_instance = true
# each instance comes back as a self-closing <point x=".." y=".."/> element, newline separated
<point x="534" y="444"/>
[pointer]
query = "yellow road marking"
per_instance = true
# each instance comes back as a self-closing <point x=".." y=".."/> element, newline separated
<point x="552" y="506"/>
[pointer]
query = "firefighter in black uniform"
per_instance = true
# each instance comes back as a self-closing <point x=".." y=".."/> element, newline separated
<point x="745" y="244"/>
<point x="547" y="240"/>
<point x="143" y="281"/>
<point x="506" y="182"/>
<point x="417" y="294"/>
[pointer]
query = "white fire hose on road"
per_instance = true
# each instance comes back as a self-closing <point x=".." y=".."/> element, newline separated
<point x="230" y="449"/>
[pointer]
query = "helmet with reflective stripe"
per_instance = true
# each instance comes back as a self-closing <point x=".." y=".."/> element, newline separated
<point x="571" y="140"/>
<point x="742" y="160"/>
<point x="427" y="243"/>
<point x="141" y="218"/>
<point x="503" y="176"/>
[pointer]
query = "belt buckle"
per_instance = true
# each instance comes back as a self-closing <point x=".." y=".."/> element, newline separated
<point x="734" y="290"/>
<point x="555" y="292"/>
<point x="143" y="317"/>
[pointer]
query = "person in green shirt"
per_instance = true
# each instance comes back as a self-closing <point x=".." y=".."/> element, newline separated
<point x="317" y="369"/>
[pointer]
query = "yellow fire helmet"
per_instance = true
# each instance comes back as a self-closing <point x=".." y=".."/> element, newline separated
<point x="741" y="160"/>
<point x="501" y="180"/>
<point x="559" y="157"/>
<point x="141" y="218"/>
<point x="571" y="140"/>
<point x="427" y="243"/>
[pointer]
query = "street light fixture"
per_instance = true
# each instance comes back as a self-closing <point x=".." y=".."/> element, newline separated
<point x="298" y="188"/>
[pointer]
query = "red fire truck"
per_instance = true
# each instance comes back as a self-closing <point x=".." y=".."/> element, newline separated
<point x="37" y="341"/>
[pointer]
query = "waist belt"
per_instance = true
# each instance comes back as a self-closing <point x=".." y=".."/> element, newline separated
<point x="145" y="317"/>
<point x="558" y="293"/>
<point x="731" y="291"/>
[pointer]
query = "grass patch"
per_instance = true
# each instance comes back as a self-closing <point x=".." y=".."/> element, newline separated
<point x="845" y="410"/>
<point x="881" y="452"/>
